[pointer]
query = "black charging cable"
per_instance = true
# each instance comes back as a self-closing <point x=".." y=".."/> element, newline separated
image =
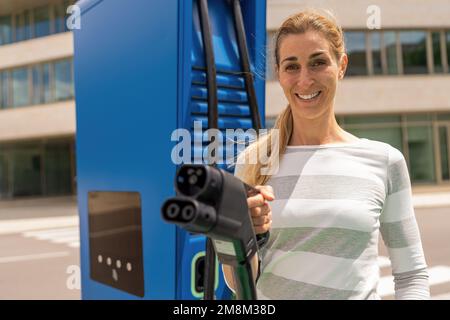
<point x="210" y="256"/>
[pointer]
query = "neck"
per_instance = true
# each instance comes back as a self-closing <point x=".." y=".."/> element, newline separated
<point x="322" y="130"/>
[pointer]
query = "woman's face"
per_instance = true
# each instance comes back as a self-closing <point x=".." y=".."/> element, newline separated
<point x="308" y="73"/>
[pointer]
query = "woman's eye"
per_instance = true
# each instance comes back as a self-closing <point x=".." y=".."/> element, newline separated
<point x="291" y="67"/>
<point x="318" y="63"/>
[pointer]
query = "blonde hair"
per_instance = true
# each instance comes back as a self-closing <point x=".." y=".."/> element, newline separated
<point x="311" y="19"/>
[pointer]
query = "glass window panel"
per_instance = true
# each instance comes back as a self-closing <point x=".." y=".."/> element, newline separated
<point x="443" y="146"/>
<point x="390" y="45"/>
<point x="3" y="90"/>
<point x="23" y="26"/>
<point x="20" y="88"/>
<point x="63" y="80"/>
<point x="418" y="117"/>
<point x="46" y="83"/>
<point x="5" y="30"/>
<point x="38" y="96"/>
<point x="392" y="136"/>
<point x="414" y="52"/>
<point x="448" y="48"/>
<point x="356" y="50"/>
<point x="4" y="176"/>
<point x="57" y="169"/>
<point x="376" y="52"/>
<point x="60" y="17"/>
<point x="42" y="21"/>
<point x="26" y="172"/>
<point x="371" y="119"/>
<point x="443" y="116"/>
<point x="421" y="154"/>
<point x="436" y="37"/>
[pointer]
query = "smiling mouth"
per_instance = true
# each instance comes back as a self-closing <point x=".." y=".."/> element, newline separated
<point x="308" y="97"/>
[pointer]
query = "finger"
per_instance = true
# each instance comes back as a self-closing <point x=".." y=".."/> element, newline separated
<point x="260" y="221"/>
<point x="267" y="192"/>
<point x="255" y="201"/>
<point x="255" y="212"/>
<point x="263" y="229"/>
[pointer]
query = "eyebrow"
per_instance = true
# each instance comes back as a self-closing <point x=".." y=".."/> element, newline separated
<point x="293" y="58"/>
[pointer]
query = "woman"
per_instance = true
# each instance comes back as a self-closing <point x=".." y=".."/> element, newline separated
<point x="333" y="191"/>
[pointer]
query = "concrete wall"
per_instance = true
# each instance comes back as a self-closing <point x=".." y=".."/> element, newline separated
<point x="352" y="13"/>
<point x="50" y="120"/>
<point x="36" y="50"/>
<point x="380" y="94"/>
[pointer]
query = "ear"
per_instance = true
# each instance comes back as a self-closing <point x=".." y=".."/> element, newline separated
<point x="277" y="69"/>
<point x="343" y="66"/>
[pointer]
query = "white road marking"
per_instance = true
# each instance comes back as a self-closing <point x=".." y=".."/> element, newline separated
<point x="51" y="232"/>
<point x="437" y="274"/>
<point x="29" y="257"/>
<point x="75" y="244"/>
<point x="23" y="225"/>
<point x="69" y="236"/>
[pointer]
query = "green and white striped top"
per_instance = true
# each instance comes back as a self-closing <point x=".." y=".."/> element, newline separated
<point x="331" y="202"/>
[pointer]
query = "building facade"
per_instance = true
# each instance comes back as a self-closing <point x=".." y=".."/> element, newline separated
<point x="37" y="107"/>
<point x="397" y="85"/>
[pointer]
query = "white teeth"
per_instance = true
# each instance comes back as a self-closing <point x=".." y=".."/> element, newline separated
<point x="308" y="96"/>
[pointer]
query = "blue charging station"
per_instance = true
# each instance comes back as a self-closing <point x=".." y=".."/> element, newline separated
<point x="139" y="75"/>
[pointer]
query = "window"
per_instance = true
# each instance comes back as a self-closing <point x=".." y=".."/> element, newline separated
<point x="376" y="52"/>
<point x="436" y="36"/>
<point x="42" y="21"/>
<point x="4" y="92"/>
<point x="38" y="168"/>
<point x="380" y="128"/>
<point x="421" y="154"/>
<point x="356" y="50"/>
<point x="413" y="44"/>
<point x="38" y="96"/>
<point x="390" y="135"/>
<point x="37" y="84"/>
<point x="63" y="80"/>
<point x="60" y="17"/>
<point x="20" y="87"/>
<point x="57" y="168"/>
<point x="23" y="26"/>
<point x="390" y="45"/>
<point x="448" y="48"/>
<point x="444" y="151"/>
<point x="26" y="171"/>
<point x="46" y="83"/>
<point x="5" y="30"/>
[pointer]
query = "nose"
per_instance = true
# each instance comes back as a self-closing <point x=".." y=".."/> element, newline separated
<point x="304" y="80"/>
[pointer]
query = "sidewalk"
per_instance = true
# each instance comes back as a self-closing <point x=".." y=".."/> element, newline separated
<point x="431" y="196"/>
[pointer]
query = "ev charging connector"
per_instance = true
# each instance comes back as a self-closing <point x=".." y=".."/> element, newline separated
<point x="213" y="202"/>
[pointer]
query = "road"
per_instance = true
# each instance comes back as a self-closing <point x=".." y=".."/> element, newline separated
<point x="39" y="257"/>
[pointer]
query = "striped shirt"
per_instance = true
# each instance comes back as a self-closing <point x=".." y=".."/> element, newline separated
<point x="331" y="202"/>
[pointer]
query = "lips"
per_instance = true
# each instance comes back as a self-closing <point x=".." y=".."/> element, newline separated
<point x="308" y="97"/>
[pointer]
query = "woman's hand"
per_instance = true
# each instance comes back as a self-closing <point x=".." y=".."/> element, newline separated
<point x="260" y="210"/>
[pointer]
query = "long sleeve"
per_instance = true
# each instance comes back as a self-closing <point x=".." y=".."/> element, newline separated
<point x="401" y="234"/>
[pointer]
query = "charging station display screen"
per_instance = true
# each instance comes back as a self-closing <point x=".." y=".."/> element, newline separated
<point x="115" y="240"/>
